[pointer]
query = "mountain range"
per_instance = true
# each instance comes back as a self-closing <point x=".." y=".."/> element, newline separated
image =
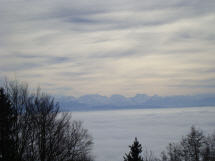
<point x="98" y="102"/>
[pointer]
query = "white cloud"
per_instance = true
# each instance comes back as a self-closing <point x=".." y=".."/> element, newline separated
<point x="108" y="46"/>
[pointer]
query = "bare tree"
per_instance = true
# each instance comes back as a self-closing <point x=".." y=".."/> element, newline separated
<point x="192" y="143"/>
<point x="189" y="149"/>
<point x="174" y="153"/>
<point x="18" y="96"/>
<point x="208" y="151"/>
<point x="42" y="133"/>
<point x="148" y="155"/>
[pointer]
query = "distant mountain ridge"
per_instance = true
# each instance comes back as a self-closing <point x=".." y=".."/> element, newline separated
<point x="98" y="102"/>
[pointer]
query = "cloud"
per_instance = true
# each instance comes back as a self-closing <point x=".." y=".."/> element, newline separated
<point x="154" y="128"/>
<point x="189" y="83"/>
<point x="109" y="46"/>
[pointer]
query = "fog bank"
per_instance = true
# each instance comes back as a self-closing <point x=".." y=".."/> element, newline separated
<point x="114" y="130"/>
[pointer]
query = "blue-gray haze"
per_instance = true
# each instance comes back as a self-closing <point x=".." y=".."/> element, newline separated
<point x="98" y="102"/>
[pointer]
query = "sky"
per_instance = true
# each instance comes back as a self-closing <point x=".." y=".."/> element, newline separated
<point x="113" y="131"/>
<point x="73" y="47"/>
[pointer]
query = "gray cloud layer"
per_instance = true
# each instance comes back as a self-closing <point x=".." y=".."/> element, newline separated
<point x="121" y="46"/>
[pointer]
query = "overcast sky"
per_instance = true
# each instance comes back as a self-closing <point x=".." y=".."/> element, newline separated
<point x="77" y="47"/>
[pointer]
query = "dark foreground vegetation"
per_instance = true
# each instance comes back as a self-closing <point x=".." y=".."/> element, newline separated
<point x="32" y="129"/>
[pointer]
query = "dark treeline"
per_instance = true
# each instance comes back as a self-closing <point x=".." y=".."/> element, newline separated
<point x="32" y="129"/>
<point x="195" y="146"/>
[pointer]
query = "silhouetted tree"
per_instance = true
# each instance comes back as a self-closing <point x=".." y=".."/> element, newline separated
<point x="174" y="153"/>
<point x="208" y="151"/>
<point x="7" y="120"/>
<point x="42" y="133"/>
<point x="135" y="152"/>
<point x="192" y="143"/>
<point x="193" y="147"/>
<point x="164" y="156"/>
<point x="149" y="156"/>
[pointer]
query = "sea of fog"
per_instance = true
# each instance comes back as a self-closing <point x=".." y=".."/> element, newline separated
<point x="114" y="130"/>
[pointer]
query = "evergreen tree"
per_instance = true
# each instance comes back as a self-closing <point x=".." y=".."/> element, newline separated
<point x="135" y="152"/>
<point x="7" y="120"/>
